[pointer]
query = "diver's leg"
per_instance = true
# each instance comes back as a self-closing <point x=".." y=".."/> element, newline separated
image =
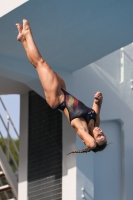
<point x="51" y="82"/>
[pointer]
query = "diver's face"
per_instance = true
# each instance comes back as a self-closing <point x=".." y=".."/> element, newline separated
<point x="99" y="136"/>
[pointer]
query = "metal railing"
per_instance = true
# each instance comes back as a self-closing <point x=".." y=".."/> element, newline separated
<point x="10" y="176"/>
<point x="7" y="136"/>
<point x="10" y="148"/>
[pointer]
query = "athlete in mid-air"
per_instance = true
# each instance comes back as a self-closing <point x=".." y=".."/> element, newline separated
<point x="83" y="119"/>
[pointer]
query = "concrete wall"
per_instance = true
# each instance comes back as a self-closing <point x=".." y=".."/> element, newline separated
<point x="7" y="6"/>
<point x="108" y="165"/>
<point x="69" y="162"/>
<point x="23" y="149"/>
<point x="117" y="106"/>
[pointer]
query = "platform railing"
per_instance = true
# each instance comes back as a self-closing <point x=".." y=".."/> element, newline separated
<point x="9" y="175"/>
<point x="7" y="135"/>
<point x="8" y="163"/>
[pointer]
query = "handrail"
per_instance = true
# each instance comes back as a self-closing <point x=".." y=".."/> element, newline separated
<point x="9" y="138"/>
<point x="9" y="135"/>
<point x="9" y="118"/>
<point x="9" y="152"/>
<point x="5" y="193"/>
<point x="4" y="159"/>
<point x="9" y="174"/>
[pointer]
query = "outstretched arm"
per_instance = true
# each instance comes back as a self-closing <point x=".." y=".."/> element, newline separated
<point x="97" y="106"/>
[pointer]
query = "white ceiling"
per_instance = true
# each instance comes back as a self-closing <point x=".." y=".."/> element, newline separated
<point x="70" y="34"/>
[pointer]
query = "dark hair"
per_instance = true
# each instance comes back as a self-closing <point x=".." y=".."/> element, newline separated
<point x="99" y="147"/>
<point x="88" y="149"/>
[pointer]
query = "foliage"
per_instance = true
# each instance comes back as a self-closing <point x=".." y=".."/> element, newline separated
<point x="13" y="151"/>
<point x="16" y="158"/>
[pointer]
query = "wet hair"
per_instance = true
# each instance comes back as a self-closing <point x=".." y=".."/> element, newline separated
<point x="88" y="149"/>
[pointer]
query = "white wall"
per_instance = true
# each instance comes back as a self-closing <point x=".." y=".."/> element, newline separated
<point x="23" y="149"/>
<point x="69" y="162"/>
<point x="7" y="6"/>
<point x="117" y="105"/>
<point x="85" y="174"/>
<point x="110" y="62"/>
<point x="108" y="165"/>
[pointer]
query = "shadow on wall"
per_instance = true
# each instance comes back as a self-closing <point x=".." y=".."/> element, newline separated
<point x="69" y="144"/>
<point x="114" y="107"/>
<point x="120" y="90"/>
<point x="109" y="171"/>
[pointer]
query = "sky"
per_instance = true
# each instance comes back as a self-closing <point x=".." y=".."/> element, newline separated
<point x="12" y="104"/>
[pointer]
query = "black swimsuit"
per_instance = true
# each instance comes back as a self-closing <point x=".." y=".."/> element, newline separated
<point x="76" y="108"/>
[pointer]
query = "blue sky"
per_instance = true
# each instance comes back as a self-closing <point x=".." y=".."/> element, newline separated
<point x="12" y="104"/>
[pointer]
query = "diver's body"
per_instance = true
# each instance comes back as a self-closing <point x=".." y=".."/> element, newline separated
<point x="83" y="119"/>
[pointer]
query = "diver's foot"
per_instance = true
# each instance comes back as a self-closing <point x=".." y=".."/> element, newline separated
<point x="23" y="31"/>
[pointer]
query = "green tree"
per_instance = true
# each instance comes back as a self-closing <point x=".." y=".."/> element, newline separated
<point x="13" y="151"/>
<point x="16" y="158"/>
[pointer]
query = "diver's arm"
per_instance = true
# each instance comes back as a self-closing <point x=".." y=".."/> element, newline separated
<point x="81" y="129"/>
<point x="86" y="138"/>
<point x="97" y="106"/>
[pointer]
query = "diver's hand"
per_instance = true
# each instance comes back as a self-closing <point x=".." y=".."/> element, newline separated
<point x="98" y="98"/>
